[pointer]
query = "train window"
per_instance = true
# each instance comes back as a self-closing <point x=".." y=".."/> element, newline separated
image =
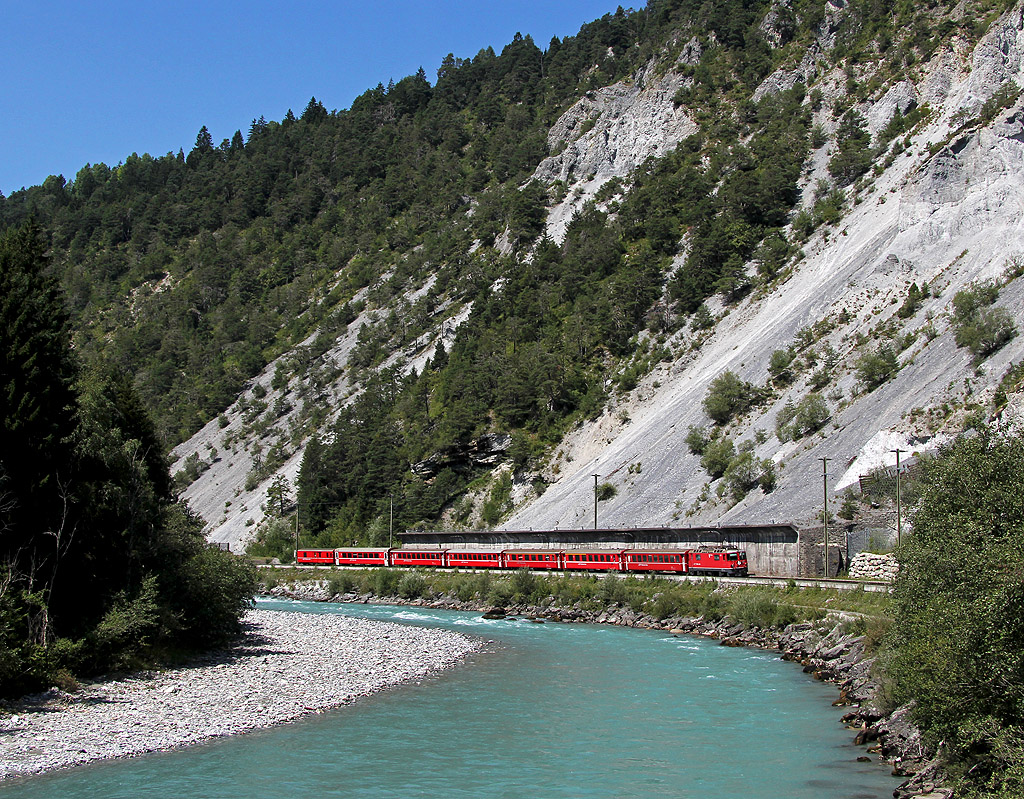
<point x="718" y="557"/>
<point x="732" y="556"/>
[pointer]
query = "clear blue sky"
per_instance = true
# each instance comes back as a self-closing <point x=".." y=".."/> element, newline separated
<point x="88" y="82"/>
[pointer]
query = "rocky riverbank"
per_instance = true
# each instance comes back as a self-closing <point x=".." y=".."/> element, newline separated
<point x="285" y="665"/>
<point x="823" y="649"/>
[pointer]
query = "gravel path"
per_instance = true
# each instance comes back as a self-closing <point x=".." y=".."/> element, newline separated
<point x="288" y="665"/>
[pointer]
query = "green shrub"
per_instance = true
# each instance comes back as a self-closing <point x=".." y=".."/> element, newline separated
<point x="728" y="396"/>
<point x="779" y="367"/>
<point x="341" y="582"/>
<point x="954" y="648"/>
<point x="500" y="593"/>
<point x="915" y="297"/>
<point x="697" y="439"/>
<point x="794" y="422"/>
<point x="976" y="324"/>
<point x="746" y="472"/>
<point x="875" y="368"/>
<point x="613" y="590"/>
<point x="384" y="582"/>
<point x="987" y="332"/>
<point x="523" y="584"/>
<point x="717" y="456"/>
<point x="412" y="585"/>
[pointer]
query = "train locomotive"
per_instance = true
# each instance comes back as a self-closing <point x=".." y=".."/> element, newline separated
<point x="720" y="561"/>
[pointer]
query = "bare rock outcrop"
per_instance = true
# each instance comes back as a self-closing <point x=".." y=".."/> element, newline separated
<point x="608" y="133"/>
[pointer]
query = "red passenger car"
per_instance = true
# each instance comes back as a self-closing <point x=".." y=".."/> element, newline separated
<point x="723" y="562"/>
<point x="532" y="558"/>
<point x="595" y="559"/>
<point x="474" y="559"/>
<point x="655" y="560"/>
<point x="316" y="557"/>
<point x="362" y="556"/>
<point x="418" y="557"/>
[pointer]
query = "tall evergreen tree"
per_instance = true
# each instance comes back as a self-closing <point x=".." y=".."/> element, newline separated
<point x="37" y="404"/>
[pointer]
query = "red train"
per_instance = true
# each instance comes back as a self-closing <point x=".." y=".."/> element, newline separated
<point x="721" y="561"/>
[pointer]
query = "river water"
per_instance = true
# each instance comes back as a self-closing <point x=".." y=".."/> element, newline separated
<point x="543" y="711"/>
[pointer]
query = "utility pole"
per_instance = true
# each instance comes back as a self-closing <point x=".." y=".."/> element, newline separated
<point x="899" y="514"/>
<point x="296" y="528"/>
<point x="391" y="521"/>
<point x="824" y="513"/>
<point x="595" y="500"/>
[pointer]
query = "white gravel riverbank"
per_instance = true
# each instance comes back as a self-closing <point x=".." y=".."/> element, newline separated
<point x="288" y="665"/>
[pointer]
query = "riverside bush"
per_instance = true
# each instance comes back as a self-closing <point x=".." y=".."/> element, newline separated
<point x="412" y="585"/>
<point x="340" y="582"/>
<point x="955" y="644"/>
<point x="758" y="609"/>
<point x="524" y="584"/>
<point x="384" y="582"/>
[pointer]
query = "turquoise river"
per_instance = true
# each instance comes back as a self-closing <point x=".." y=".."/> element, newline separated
<point x="543" y="711"/>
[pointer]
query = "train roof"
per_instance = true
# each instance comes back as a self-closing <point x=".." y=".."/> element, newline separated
<point x="361" y="549"/>
<point x="518" y="551"/>
<point x="658" y="551"/>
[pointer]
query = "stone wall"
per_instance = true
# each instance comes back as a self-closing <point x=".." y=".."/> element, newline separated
<point x="869" y="566"/>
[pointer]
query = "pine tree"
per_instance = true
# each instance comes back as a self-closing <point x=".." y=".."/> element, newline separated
<point x="37" y="403"/>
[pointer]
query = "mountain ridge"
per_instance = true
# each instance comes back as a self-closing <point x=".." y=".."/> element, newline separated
<point x="570" y="250"/>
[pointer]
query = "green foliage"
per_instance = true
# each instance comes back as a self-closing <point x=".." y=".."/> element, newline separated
<point x="728" y="397"/>
<point x="127" y="628"/>
<point x="1011" y="383"/>
<point x="385" y="582"/>
<point x="1004" y="97"/>
<point x="979" y="326"/>
<point x="954" y="648"/>
<point x="779" y="367"/>
<point x="412" y="585"/>
<point x="744" y="473"/>
<point x="278" y="496"/>
<point x="275" y="538"/>
<point x="848" y="510"/>
<point x="606" y="491"/>
<point x="808" y="416"/>
<point x="101" y="566"/>
<point x="524" y="585"/>
<point x="877" y="367"/>
<point x="498" y="501"/>
<point x="853" y="154"/>
<point x="759" y="609"/>
<point x="915" y="297"/>
<point x="698" y="438"/>
<point x="718" y="454"/>
<point x="756" y="190"/>
<point x="38" y="409"/>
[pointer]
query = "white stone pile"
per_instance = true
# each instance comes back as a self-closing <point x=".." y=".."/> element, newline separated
<point x="869" y="566"/>
<point x="288" y="665"/>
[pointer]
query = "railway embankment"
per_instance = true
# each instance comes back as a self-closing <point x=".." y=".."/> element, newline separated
<point x="285" y="665"/>
<point x="829" y="648"/>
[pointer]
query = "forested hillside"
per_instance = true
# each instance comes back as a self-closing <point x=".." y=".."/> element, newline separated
<point x="380" y="296"/>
